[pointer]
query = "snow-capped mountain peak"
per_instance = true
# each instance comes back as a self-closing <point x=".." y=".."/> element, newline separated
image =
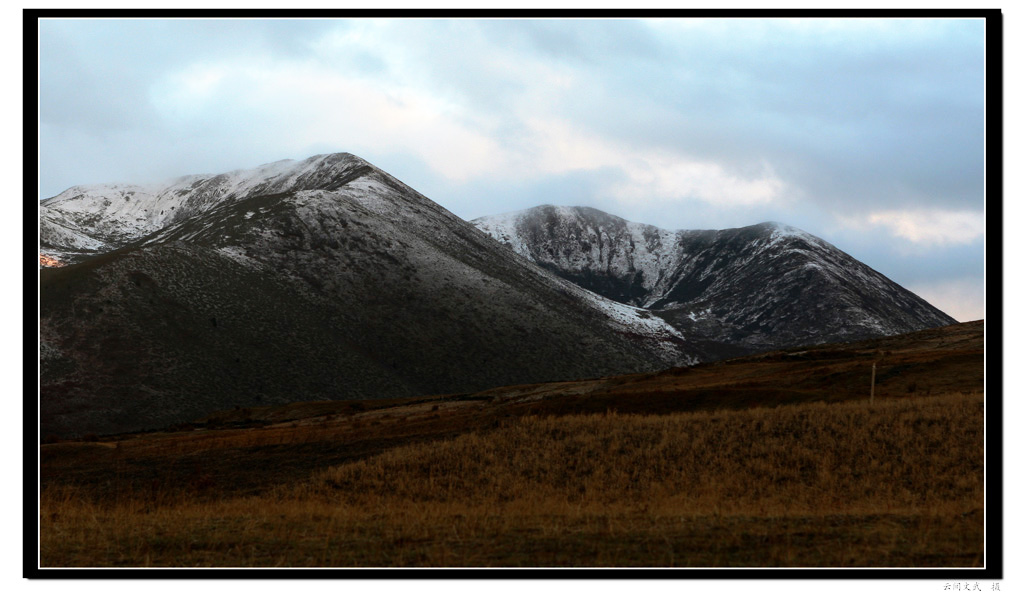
<point x="318" y="279"/>
<point x="101" y="217"/>
<point x="764" y="285"/>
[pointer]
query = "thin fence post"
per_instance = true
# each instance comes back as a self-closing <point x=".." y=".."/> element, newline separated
<point x="873" y="365"/>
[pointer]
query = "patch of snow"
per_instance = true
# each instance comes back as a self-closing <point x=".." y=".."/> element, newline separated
<point x="782" y="233"/>
<point x="589" y="240"/>
<point x="238" y="255"/>
<point x="55" y="231"/>
<point x="371" y="194"/>
<point x="636" y="320"/>
<point x="504" y="228"/>
<point x="119" y="213"/>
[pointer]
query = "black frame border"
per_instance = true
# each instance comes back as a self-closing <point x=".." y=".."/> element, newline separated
<point x="994" y="443"/>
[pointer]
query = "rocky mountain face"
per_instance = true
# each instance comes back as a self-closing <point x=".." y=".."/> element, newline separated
<point x="755" y="288"/>
<point x="320" y="279"/>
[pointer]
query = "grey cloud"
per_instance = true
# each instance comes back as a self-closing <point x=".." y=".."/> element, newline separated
<point x="852" y="120"/>
<point x="842" y="120"/>
<point x="95" y="74"/>
<point x="587" y="41"/>
<point x="86" y="82"/>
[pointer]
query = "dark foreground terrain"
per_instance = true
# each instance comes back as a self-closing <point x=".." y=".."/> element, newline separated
<point x="778" y="459"/>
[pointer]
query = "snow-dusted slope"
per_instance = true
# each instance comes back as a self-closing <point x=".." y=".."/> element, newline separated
<point x="620" y="259"/>
<point x="762" y="286"/>
<point x="63" y="239"/>
<point x="113" y="215"/>
<point x="324" y="279"/>
<point x="327" y="278"/>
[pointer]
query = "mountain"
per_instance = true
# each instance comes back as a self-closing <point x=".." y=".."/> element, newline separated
<point x="759" y="287"/>
<point x="319" y="279"/>
<point x="86" y="220"/>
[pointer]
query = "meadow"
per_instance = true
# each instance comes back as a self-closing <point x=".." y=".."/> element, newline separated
<point x="897" y="482"/>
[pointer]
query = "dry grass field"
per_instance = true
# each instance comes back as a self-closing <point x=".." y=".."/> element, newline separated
<point x="643" y="470"/>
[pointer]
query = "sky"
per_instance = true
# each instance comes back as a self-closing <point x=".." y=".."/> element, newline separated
<point x="868" y="133"/>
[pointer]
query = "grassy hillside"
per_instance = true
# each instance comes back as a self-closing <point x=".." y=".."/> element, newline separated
<point x="796" y="468"/>
<point x="897" y="483"/>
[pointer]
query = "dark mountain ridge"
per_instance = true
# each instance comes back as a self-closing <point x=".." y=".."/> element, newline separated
<point x="759" y="287"/>
<point x="328" y="278"/>
<point x="325" y="279"/>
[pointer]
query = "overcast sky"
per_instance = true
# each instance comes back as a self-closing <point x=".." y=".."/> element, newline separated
<point x="867" y="133"/>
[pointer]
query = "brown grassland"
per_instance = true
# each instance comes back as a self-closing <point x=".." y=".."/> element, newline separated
<point x="791" y="466"/>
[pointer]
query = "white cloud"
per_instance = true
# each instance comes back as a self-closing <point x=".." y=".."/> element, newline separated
<point x="668" y="179"/>
<point x="462" y="136"/>
<point x="300" y="104"/>
<point x="963" y="299"/>
<point x="185" y="93"/>
<point x="931" y="226"/>
<point x="296" y="105"/>
<point x="553" y="146"/>
<point x="651" y="175"/>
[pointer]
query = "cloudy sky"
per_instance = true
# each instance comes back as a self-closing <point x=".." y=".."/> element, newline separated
<point x="868" y="133"/>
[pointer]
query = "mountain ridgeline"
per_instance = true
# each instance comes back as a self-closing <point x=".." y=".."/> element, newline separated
<point x="315" y="280"/>
<point x="327" y="279"/>
<point x="755" y="288"/>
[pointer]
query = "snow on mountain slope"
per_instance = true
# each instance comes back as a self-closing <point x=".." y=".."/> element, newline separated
<point x="622" y="260"/>
<point x="763" y="286"/>
<point x="639" y="322"/>
<point x="408" y="214"/>
<point x="116" y="214"/>
<point x="324" y="279"/>
<point x="366" y="288"/>
<point x="55" y="230"/>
